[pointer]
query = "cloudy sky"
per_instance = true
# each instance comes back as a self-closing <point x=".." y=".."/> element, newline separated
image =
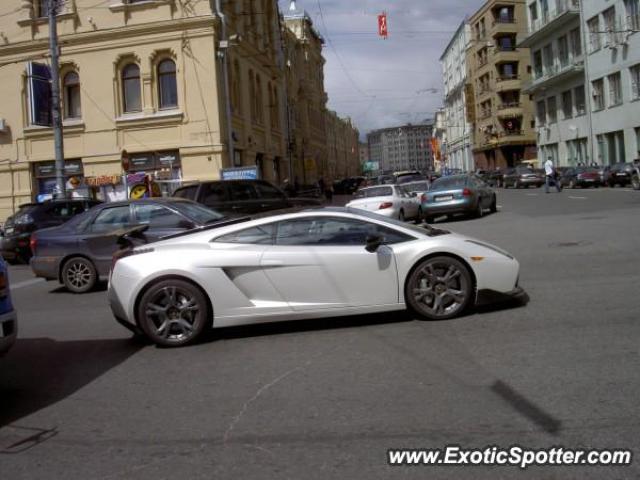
<point x="381" y="83"/>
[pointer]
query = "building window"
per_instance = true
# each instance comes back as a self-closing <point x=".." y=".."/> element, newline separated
<point x="594" y="34"/>
<point x="552" y="109"/>
<point x="615" y="89"/>
<point x="638" y="142"/>
<point x="41" y="8"/>
<point x="576" y="42"/>
<point x="567" y="104"/>
<point x="635" y="82"/>
<point x="580" y="99"/>
<point x="541" y="113"/>
<point x="609" y="17"/>
<point x="131" y="88"/>
<point x="252" y="95"/>
<point x="537" y="64"/>
<point x="259" y="102"/>
<point x="167" y="84"/>
<point x="236" y="102"/>
<point x="632" y="8"/>
<point x="71" y="85"/>
<point x="597" y="90"/>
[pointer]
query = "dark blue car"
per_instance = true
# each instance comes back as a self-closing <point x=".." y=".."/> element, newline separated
<point x="79" y="252"/>
<point x="8" y="317"/>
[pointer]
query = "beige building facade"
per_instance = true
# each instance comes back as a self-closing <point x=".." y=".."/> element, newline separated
<point x="143" y="80"/>
<point x="501" y="114"/>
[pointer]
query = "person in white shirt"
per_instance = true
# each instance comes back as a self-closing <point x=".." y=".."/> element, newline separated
<point x="551" y="176"/>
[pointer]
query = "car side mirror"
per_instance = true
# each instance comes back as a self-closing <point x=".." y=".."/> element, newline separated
<point x="186" y="224"/>
<point x="373" y="243"/>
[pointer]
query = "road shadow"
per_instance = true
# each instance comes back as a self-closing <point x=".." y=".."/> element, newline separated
<point x="99" y="287"/>
<point x="459" y="217"/>
<point x="311" y="325"/>
<point x="39" y="372"/>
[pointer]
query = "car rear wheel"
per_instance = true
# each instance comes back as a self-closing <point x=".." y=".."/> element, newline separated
<point x="418" y="219"/>
<point x="79" y="275"/>
<point x="494" y="204"/>
<point x="439" y="288"/>
<point x="572" y="184"/>
<point x="401" y="216"/>
<point x="516" y="184"/>
<point x="479" y="210"/>
<point x="635" y="182"/>
<point x="173" y="313"/>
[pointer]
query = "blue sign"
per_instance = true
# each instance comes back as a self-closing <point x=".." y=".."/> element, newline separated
<point x="240" y="173"/>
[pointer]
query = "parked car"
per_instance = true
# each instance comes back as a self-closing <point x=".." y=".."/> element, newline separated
<point x="34" y="216"/>
<point x="347" y="186"/>
<point x="467" y="194"/>
<point x="388" y="200"/>
<point x="416" y="188"/>
<point x="241" y="197"/>
<point x="311" y="264"/>
<point x="619" y="174"/>
<point x="8" y="317"/>
<point x="522" y="177"/>
<point x="580" y="177"/>
<point x="78" y="253"/>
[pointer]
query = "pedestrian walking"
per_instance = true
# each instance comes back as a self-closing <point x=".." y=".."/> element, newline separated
<point x="551" y="176"/>
<point x="328" y="191"/>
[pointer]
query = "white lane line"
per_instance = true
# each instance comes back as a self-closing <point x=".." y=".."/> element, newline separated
<point x="26" y="283"/>
<point x="532" y="194"/>
<point x="578" y="198"/>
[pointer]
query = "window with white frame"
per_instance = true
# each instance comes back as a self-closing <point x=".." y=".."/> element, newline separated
<point x="71" y="95"/>
<point x="552" y="109"/>
<point x="541" y="113"/>
<point x="567" y="104"/>
<point x="580" y="100"/>
<point x="597" y="91"/>
<point x="576" y="42"/>
<point x="131" y="89"/>
<point x="594" y="33"/>
<point x="609" y="17"/>
<point x="615" y="89"/>
<point x="635" y="82"/>
<point x="167" y="85"/>
<point x="632" y="9"/>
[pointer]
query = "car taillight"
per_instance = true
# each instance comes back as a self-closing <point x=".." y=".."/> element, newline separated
<point x="466" y="192"/>
<point x="384" y="205"/>
<point x="33" y="243"/>
<point x="423" y="198"/>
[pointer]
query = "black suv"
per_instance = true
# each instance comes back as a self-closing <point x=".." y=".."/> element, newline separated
<point x="34" y="216"/>
<point x="619" y="174"/>
<point x="241" y="197"/>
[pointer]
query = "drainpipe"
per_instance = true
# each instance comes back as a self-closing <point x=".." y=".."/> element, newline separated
<point x="223" y="55"/>
<point x="587" y="83"/>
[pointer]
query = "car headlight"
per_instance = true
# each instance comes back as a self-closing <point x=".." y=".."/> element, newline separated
<point x="491" y="247"/>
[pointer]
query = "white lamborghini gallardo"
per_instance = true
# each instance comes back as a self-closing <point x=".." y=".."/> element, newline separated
<point x="309" y="264"/>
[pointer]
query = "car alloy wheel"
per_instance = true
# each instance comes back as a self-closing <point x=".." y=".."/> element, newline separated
<point x="494" y="204"/>
<point x="635" y="182"/>
<point x="79" y="275"/>
<point x="516" y="184"/>
<point x="479" y="209"/>
<point x="572" y="184"/>
<point x="401" y="216"/>
<point x="173" y="313"/>
<point x="439" y="288"/>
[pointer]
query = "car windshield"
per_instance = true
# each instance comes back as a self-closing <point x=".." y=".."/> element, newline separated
<point x="374" y="192"/>
<point x="449" y="183"/>
<point x="197" y="212"/>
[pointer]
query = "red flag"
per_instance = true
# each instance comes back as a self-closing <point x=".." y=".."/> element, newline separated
<point x="382" y="25"/>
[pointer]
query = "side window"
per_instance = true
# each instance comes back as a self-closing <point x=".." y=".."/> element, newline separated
<point x="261" y="235"/>
<point x="111" y="218"/>
<point x="268" y="191"/>
<point x="333" y="231"/>
<point x="187" y="192"/>
<point x="213" y="193"/>
<point x="76" y="208"/>
<point x="157" y="216"/>
<point x="242" y="191"/>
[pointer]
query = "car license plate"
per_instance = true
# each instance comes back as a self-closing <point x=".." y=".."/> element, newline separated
<point x="8" y="231"/>
<point x="588" y="179"/>
<point x="621" y="174"/>
<point x="443" y="198"/>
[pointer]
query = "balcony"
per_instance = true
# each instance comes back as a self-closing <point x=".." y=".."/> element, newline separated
<point x="554" y="74"/>
<point x="508" y="82"/>
<point x="504" y="25"/>
<point x="509" y="110"/>
<point x="504" y="54"/>
<point x="566" y="11"/>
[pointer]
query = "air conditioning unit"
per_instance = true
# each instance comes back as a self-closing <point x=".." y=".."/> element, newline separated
<point x="3" y="125"/>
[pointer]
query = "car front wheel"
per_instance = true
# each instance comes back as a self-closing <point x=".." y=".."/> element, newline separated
<point x="635" y="182"/>
<point x="173" y="313"/>
<point x="79" y="275"/>
<point x="439" y="288"/>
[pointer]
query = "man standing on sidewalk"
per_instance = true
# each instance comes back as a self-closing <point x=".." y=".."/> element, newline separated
<point x="551" y="176"/>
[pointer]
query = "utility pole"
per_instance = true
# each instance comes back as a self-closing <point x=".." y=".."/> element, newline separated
<point x="56" y="116"/>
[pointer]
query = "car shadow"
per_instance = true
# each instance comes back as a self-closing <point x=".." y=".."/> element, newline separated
<point x="39" y="372"/>
<point x="99" y="287"/>
<point x="311" y="325"/>
<point x="459" y="217"/>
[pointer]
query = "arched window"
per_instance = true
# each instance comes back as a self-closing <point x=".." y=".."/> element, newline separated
<point x="131" y="99"/>
<point x="167" y="85"/>
<point x="71" y="85"/>
<point x="259" y="101"/>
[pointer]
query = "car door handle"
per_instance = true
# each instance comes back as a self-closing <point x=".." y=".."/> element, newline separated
<point x="272" y="263"/>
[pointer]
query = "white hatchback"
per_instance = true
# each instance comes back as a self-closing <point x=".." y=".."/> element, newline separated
<point x="391" y="201"/>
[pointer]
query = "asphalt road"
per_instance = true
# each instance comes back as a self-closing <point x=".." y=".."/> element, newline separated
<point x="80" y="399"/>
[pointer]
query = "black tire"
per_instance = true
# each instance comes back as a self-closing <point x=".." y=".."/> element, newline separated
<point x="13" y="260"/>
<point x="479" y="213"/>
<point x="401" y="216"/>
<point x="635" y="182"/>
<point x="418" y="219"/>
<point x="516" y="184"/>
<point x="494" y="205"/>
<point x="443" y="278"/>
<point x="572" y="184"/>
<point x="173" y="313"/>
<point x="79" y="275"/>
<point x="428" y="219"/>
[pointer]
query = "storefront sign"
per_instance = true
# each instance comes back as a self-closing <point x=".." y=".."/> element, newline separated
<point x="103" y="180"/>
<point x="151" y="161"/>
<point x="240" y="173"/>
<point x="48" y="169"/>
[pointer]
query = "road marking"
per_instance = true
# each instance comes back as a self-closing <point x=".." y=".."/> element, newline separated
<point x="26" y="283"/>
<point x="532" y="194"/>
<point x="578" y="198"/>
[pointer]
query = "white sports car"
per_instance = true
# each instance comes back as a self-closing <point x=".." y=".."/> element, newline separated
<point x="316" y="263"/>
